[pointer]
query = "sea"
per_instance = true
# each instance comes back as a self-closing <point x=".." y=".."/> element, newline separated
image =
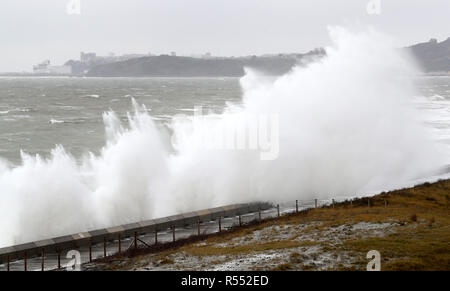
<point x="37" y="113"/>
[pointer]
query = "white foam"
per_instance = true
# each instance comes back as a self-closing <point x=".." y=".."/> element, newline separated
<point x="92" y="96"/>
<point x="55" y="121"/>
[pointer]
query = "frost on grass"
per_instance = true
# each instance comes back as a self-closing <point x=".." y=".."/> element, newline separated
<point x="285" y="247"/>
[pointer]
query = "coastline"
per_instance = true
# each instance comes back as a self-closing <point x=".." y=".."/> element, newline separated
<point x="402" y="225"/>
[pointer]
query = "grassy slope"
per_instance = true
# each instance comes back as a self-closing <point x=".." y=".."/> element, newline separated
<point x="416" y="237"/>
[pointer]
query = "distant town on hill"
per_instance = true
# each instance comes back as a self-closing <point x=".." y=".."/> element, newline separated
<point x="432" y="56"/>
<point x="207" y="66"/>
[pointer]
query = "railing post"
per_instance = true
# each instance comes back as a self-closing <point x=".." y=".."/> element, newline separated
<point x="315" y="203"/>
<point x="104" y="246"/>
<point x="296" y="206"/>
<point x="173" y="233"/>
<point x="59" y="258"/>
<point x="278" y="210"/>
<point x="120" y="246"/>
<point x="42" y="260"/>
<point x="25" y="261"/>
<point x="90" y="251"/>
<point x="220" y="224"/>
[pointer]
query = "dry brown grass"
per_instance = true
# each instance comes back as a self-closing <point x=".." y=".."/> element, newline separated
<point x="284" y="267"/>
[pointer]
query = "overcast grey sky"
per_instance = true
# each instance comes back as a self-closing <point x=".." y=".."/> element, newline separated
<point x="34" y="30"/>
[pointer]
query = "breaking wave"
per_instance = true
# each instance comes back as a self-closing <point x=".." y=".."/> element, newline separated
<point x="347" y="125"/>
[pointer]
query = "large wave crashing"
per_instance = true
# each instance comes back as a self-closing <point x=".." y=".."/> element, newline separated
<point x="347" y="125"/>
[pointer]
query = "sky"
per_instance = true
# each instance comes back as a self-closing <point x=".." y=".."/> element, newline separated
<point x="34" y="30"/>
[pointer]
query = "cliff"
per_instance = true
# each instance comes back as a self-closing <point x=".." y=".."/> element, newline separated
<point x="432" y="56"/>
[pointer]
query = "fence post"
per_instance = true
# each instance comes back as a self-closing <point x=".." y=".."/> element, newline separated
<point x="240" y="220"/>
<point x="42" y="260"/>
<point x="278" y="210"/>
<point x="332" y="201"/>
<point x="104" y="246"/>
<point x="385" y="203"/>
<point x="120" y="246"/>
<point x="173" y="233"/>
<point x="7" y="264"/>
<point x="135" y="240"/>
<point x="220" y="224"/>
<point x="25" y="261"/>
<point x="259" y="214"/>
<point x="59" y="258"/>
<point x="198" y="227"/>
<point x="156" y="236"/>
<point x="90" y="251"/>
<point x="315" y="203"/>
<point x="296" y="206"/>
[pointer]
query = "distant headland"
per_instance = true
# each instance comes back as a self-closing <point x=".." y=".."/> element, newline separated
<point x="432" y="56"/>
